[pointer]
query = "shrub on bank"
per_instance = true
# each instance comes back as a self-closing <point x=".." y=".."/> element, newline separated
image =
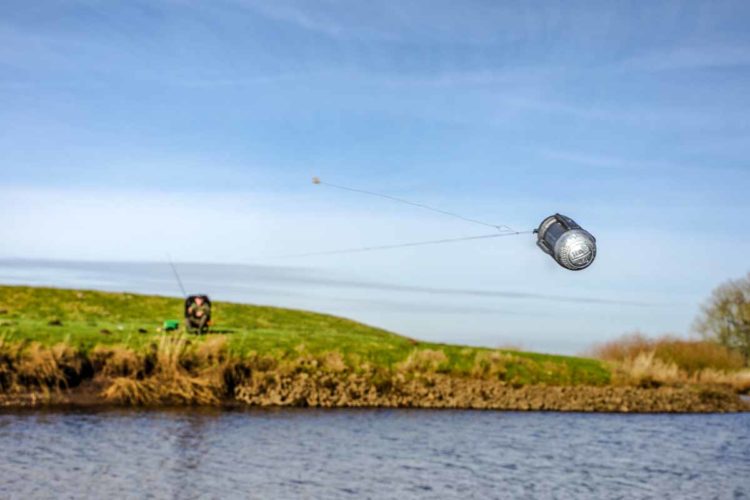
<point x="690" y="356"/>
<point x="669" y="360"/>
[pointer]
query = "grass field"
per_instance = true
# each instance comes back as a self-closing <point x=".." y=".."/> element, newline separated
<point x="86" y="320"/>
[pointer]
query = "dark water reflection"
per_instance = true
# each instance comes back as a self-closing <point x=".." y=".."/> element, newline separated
<point x="372" y="453"/>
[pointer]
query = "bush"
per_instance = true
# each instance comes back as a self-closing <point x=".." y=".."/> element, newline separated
<point x="690" y="356"/>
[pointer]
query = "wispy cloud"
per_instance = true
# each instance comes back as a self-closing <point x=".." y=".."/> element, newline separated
<point x="688" y="58"/>
<point x="512" y="76"/>
<point x="242" y="81"/>
<point x="506" y="294"/>
<point x="314" y="20"/>
<point x="604" y="161"/>
<point x="613" y="162"/>
<point x="234" y="275"/>
<point x="421" y="21"/>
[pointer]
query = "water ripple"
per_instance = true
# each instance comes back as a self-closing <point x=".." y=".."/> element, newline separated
<point x="372" y="453"/>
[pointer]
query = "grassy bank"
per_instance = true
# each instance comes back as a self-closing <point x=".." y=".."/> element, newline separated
<point x="84" y="320"/>
<point x="57" y="344"/>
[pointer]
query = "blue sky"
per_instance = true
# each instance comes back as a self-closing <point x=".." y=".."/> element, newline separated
<point x="127" y="125"/>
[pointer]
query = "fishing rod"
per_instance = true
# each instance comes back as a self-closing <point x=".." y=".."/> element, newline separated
<point x="176" y="275"/>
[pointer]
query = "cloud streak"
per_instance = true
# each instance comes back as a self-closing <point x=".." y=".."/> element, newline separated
<point x="688" y="59"/>
<point x="234" y="275"/>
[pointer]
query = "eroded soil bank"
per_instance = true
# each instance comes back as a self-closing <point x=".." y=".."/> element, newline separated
<point x="327" y="390"/>
<point x="177" y="371"/>
<point x="438" y="391"/>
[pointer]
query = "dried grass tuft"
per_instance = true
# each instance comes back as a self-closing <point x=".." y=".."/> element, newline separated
<point x="490" y="364"/>
<point x="117" y="361"/>
<point x="129" y="391"/>
<point x="738" y="381"/>
<point x="333" y="362"/>
<point x="646" y="369"/>
<point x="214" y="350"/>
<point x="668" y="360"/>
<point x="690" y="356"/>
<point x="423" y="361"/>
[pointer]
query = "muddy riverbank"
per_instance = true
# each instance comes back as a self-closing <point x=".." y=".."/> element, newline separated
<point x="435" y="391"/>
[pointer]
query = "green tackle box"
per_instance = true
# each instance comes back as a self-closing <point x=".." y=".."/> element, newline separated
<point x="170" y="325"/>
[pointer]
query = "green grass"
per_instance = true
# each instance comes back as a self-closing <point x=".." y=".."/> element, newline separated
<point x="27" y="315"/>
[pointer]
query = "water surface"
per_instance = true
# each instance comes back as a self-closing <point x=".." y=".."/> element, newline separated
<point x="372" y="453"/>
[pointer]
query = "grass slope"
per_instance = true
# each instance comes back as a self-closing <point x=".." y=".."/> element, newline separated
<point x="78" y="319"/>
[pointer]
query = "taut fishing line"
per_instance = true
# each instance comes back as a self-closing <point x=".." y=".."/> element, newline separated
<point x="499" y="227"/>
<point x="404" y="245"/>
<point x="503" y="230"/>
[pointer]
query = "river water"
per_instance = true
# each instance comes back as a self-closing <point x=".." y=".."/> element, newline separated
<point x="371" y="454"/>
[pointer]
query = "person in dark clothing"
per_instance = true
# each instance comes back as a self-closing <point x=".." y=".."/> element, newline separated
<point x="198" y="314"/>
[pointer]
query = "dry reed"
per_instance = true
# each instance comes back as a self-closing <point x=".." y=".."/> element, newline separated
<point x="646" y="362"/>
<point x="171" y="381"/>
<point x="690" y="356"/>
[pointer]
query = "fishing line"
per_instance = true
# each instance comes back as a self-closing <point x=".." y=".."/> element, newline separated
<point x="499" y="227"/>
<point x="403" y="245"/>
